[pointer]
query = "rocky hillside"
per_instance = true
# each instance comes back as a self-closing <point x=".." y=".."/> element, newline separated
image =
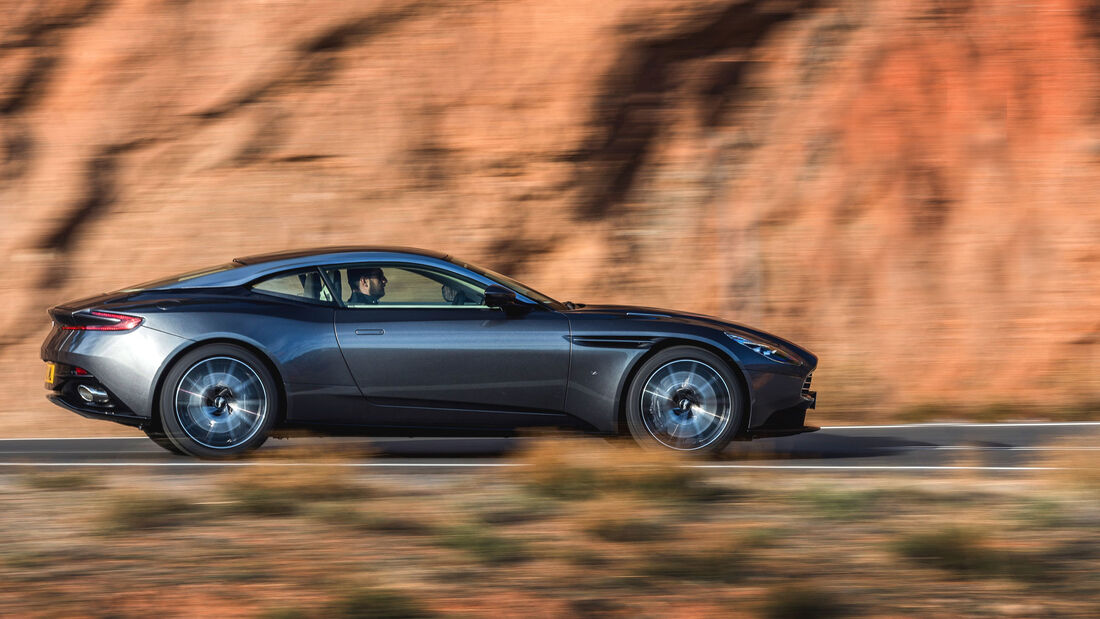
<point x="907" y="187"/>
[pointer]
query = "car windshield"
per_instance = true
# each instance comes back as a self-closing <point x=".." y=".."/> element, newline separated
<point x="508" y="282"/>
<point x="175" y="279"/>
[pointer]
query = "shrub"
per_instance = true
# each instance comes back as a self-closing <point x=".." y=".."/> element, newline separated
<point x="722" y="566"/>
<point x="838" y="504"/>
<point x="141" y="511"/>
<point x="585" y="469"/>
<point x="263" y="502"/>
<point x="801" y="603"/>
<point x="373" y="603"/>
<point x="762" y="537"/>
<point x="283" y="491"/>
<point x="964" y="552"/>
<point x="283" y="613"/>
<point x="61" y="480"/>
<point x="953" y="549"/>
<point x="484" y="546"/>
<point x="384" y="523"/>
<point x="628" y="530"/>
<point x="517" y="510"/>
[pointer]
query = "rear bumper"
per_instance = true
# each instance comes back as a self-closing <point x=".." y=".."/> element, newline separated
<point x="126" y="363"/>
<point x="126" y="419"/>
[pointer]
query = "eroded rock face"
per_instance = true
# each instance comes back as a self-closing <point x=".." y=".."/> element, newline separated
<point x="905" y="187"/>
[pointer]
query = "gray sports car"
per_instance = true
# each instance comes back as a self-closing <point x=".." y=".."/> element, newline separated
<point x="385" y="341"/>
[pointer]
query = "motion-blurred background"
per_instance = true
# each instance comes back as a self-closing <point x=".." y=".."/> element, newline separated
<point x="906" y="187"/>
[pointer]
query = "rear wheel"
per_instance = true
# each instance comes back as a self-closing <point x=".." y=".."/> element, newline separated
<point x="218" y="401"/>
<point x="684" y="399"/>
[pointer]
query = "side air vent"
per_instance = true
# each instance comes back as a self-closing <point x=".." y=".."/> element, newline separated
<point x="806" y="385"/>
<point x="612" y="341"/>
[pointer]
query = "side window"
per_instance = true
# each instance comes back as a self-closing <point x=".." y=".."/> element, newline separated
<point x="382" y="285"/>
<point x="303" y="285"/>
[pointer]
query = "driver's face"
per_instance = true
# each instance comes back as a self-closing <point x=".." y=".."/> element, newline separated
<point x="374" y="285"/>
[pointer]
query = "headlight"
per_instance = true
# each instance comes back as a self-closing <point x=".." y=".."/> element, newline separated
<point x="761" y="349"/>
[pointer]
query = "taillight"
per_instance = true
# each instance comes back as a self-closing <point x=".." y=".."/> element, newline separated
<point x="123" y="322"/>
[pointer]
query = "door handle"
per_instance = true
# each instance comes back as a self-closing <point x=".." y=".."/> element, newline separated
<point x="370" y="332"/>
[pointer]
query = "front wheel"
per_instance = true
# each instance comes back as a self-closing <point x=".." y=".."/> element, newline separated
<point x="684" y="399"/>
<point x="218" y="401"/>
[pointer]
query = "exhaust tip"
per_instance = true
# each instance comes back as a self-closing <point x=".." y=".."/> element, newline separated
<point x="92" y="395"/>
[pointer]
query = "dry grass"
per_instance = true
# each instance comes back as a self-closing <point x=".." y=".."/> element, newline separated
<point x="134" y="512"/>
<point x="967" y="552"/>
<point x="802" y="602"/>
<point x="581" y="469"/>
<point x="277" y="490"/>
<point x="609" y="532"/>
<point x="1074" y="466"/>
<point x="61" y="480"/>
<point x="482" y="544"/>
<point x="376" y="603"/>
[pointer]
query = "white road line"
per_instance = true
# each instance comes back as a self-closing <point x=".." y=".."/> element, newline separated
<point x="814" y="467"/>
<point x="837" y="467"/>
<point x="262" y="463"/>
<point x="986" y="448"/>
<point x="79" y="438"/>
<point x="963" y="424"/>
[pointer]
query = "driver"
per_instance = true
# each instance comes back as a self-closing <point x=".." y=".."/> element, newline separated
<point x="368" y="284"/>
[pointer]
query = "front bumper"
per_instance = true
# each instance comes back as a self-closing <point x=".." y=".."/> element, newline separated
<point x="780" y="404"/>
<point x="785" y="422"/>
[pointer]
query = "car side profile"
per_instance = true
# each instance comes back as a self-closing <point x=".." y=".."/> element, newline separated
<point x="399" y="341"/>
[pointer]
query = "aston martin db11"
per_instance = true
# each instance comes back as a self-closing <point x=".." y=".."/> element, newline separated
<point x="397" y="341"/>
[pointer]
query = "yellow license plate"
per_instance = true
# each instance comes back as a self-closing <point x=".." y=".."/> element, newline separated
<point x="51" y="372"/>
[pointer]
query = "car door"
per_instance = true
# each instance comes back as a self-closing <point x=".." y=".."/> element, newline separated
<point x="428" y="352"/>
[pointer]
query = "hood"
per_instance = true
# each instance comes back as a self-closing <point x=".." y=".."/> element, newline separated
<point x="652" y="314"/>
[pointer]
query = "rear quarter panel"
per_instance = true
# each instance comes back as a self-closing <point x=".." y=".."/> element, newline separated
<point x="128" y="363"/>
<point x="298" y="339"/>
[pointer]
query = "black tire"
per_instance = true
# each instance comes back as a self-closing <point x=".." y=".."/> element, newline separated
<point x="161" y="439"/>
<point x="685" y="399"/>
<point x="218" y="401"/>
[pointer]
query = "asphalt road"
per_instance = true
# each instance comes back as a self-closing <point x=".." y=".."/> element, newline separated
<point x="922" y="448"/>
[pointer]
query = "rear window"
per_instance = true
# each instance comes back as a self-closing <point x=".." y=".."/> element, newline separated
<point x="305" y="285"/>
<point x="175" y="279"/>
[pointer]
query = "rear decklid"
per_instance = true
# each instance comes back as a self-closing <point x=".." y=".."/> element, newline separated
<point x="63" y="313"/>
<point x="102" y="298"/>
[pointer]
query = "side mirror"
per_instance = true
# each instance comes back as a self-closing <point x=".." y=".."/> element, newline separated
<point x="499" y="296"/>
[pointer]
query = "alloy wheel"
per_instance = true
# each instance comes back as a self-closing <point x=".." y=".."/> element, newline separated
<point x="221" y="402"/>
<point x="686" y="405"/>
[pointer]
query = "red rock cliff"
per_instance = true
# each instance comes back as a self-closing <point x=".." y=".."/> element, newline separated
<point x="908" y="188"/>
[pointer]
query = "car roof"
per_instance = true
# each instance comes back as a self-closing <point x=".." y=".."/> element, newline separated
<point x="244" y="270"/>
<point x="346" y="249"/>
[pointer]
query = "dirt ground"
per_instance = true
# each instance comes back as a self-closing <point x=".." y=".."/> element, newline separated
<point x="586" y="530"/>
